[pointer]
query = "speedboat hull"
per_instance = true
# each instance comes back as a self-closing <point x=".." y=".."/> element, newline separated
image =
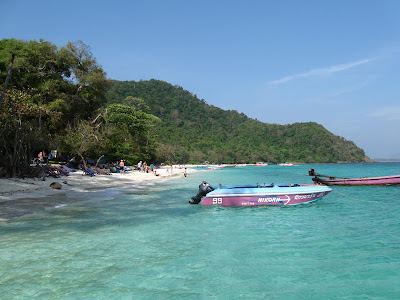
<point x="269" y="195"/>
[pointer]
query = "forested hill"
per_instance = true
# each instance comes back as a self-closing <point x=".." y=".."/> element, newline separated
<point x="193" y="131"/>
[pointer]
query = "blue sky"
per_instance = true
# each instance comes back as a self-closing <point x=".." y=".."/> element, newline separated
<point x="332" y="62"/>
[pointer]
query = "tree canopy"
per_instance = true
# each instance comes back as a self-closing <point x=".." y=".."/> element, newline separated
<point x="56" y="100"/>
<point x="67" y="80"/>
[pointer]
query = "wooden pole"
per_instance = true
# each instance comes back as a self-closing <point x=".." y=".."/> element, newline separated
<point x="7" y="79"/>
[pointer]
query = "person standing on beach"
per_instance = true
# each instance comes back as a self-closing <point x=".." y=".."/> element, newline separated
<point x="122" y="166"/>
<point x="185" y="172"/>
<point x="40" y="157"/>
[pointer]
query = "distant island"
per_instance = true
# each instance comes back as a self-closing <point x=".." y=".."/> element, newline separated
<point x="387" y="159"/>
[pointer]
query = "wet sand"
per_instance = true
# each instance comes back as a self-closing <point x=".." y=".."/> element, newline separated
<point x="19" y="197"/>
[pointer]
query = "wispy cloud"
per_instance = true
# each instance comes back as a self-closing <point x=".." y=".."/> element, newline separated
<point x="389" y="113"/>
<point x="322" y="71"/>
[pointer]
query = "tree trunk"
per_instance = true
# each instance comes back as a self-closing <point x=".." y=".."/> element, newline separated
<point x="83" y="160"/>
<point x="99" y="160"/>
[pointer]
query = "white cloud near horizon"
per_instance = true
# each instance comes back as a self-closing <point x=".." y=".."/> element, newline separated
<point x="322" y="71"/>
<point x="390" y="113"/>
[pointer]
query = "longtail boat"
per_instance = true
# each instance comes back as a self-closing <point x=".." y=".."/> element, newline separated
<point x="260" y="164"/>
<point x="251" y="195"/>
<point x="215" y="167"/>
<point x="332" y="180"/>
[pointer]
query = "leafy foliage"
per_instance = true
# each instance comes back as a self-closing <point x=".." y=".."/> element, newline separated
<point x="20" y="132"/>
<point x="85" y="139"/>
<point x="132" y="131"/>
<point x="66" y="80"/>
<point x="56" y="100"/>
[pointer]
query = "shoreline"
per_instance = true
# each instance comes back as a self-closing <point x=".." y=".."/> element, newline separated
<point x="16" y="191"/>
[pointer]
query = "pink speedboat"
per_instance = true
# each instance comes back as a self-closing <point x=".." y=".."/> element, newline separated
<point x="251" y="195"/>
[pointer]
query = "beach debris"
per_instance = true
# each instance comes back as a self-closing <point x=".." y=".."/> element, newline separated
<point x="55" y="185"/>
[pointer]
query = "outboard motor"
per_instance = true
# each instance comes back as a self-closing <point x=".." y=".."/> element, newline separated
<point x="204" y="189"/>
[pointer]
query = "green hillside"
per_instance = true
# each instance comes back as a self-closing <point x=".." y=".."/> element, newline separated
<point x="193" y="131"/>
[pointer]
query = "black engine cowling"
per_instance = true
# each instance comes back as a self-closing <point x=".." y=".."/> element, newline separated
<point x="204" y="189"/>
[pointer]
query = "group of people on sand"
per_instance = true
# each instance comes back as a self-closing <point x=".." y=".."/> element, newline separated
<point x="143" y="167"/>
<point x="43" y="158"/>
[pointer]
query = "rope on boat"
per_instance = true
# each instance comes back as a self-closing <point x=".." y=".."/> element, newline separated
<point x="351" y="198"/>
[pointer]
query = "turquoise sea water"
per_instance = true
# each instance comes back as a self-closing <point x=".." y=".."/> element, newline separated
<point x="147" y="242"/>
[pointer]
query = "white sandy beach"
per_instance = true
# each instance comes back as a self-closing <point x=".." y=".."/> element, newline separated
<point x="14" y="188"/>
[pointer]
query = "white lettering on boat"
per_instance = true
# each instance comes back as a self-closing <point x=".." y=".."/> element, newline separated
<point x="308" y="196"/>
<point x="217" y="200"/>
<point x="270" y="199"/>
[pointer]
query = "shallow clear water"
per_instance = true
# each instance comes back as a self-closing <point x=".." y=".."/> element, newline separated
<point x="147" y="242"/>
